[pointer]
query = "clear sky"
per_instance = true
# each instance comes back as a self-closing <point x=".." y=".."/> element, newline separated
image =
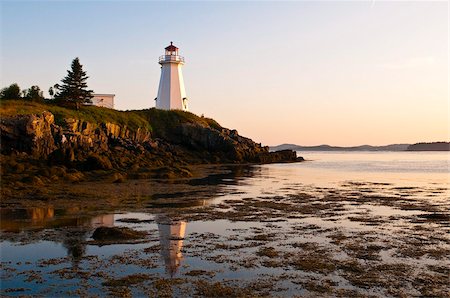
<point x="304" y="72"/>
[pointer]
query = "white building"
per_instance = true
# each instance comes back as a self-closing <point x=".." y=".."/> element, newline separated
<point x="171" y="92"/>
<point x="103" y="100"/>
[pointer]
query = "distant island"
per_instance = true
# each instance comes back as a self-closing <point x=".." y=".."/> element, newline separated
<point x="436" y="146"/>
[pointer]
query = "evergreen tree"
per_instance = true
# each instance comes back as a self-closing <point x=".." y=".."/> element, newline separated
<point x="34" y="93"/>
<point x="74" y="87"/>
<point x="11" y="92"/>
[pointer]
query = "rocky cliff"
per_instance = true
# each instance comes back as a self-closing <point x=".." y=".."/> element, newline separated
<point x="105" y="145"/>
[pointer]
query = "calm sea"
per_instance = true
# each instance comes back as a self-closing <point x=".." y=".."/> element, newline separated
<point x="44" y="250"/>
<point x="321" y="167"/>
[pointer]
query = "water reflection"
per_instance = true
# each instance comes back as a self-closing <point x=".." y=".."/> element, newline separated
<point x="27" y="221"/>
<point x="17" y="220"/>
<point x="73" y="231"/>
<point x="75" y="243"/>
<point x="232" y="176"/>
<point x="171" y="236"/>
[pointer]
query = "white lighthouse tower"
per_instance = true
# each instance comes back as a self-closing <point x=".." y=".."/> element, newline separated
<point x="171" y="93"/>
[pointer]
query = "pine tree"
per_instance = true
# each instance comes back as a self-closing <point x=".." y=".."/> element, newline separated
<point x="74" y="87"/>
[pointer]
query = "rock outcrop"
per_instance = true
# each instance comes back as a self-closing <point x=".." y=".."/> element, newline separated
<point x="108" y="145"/>
<point x="32" y="134"/>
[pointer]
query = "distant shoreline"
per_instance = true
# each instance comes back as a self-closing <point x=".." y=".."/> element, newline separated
<point x="435" y="146"/>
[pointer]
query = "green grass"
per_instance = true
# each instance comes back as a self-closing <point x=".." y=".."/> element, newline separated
<point x="91" y="114"/>
<point x="150" y="119"/>
<point x="213" y="123"/>
<point x="164" y="122"/>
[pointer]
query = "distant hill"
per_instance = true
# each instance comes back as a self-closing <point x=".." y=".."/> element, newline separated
<point x="435" y="146"/>
<point x="392" y="147"/>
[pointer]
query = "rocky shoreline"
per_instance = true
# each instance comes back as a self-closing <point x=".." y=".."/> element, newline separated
<point x="40" y="149"/>
<point x="74" y="140"/>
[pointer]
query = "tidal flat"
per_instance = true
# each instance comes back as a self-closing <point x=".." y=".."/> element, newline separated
<point x="231" y="231"/>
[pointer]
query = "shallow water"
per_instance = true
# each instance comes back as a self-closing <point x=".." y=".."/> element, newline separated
<point x="413" y="168"/>
<point x="350" y="199"/>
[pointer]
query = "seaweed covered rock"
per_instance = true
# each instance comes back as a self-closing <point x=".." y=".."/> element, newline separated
<point x="116" y="234"/>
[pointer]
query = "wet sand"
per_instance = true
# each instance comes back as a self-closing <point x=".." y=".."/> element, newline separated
<point x="219" y="235"/>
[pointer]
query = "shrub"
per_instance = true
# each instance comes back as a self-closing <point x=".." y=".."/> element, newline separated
<point x="11" y="92"/>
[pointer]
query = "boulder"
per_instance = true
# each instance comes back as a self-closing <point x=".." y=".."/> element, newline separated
<point x="97" y="162"/>
<point x="116" y="234"/>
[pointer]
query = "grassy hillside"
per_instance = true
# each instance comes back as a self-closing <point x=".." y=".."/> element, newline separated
<point x="151" y="119"/>
<point x="162" y="120"/>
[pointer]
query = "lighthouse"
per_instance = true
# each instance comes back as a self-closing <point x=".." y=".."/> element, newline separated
<point x="171" y="93"/>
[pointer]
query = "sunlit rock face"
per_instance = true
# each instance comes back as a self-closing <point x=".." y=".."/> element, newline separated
<point x="39" y="135"/>
<point x="28" y="133"/>
<point x="176" y="138"/>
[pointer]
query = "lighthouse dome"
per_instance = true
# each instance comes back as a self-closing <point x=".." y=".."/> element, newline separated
<point x="171" y="47"/>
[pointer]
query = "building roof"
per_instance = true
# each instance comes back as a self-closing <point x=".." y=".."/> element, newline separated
<point x="171" y="47"/>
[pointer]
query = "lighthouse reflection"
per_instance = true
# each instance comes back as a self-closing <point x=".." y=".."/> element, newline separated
<point x="73" y="231"/>
<point x="171" y="236"/>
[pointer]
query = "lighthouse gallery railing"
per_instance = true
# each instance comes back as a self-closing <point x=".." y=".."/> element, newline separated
<point x="167" y="58"/>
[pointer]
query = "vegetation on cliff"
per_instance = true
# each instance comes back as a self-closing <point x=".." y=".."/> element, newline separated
<point x="13" y="92"/>
<point x="74" y="86"/>
<point x="158" y="121"/>
<point x="72" y="92"/>
<point x="92" y="114"/>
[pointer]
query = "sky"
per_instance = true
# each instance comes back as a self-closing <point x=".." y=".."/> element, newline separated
<point x="305" y="72"/>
